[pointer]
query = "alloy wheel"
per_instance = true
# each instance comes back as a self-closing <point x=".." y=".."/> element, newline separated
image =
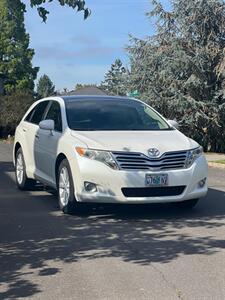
<point x="19" y="168"/>
<point x="64" y="186"/>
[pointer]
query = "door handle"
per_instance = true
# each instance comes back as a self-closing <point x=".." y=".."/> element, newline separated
<point x="37" y="136"/>
<point x="24" y="130"/>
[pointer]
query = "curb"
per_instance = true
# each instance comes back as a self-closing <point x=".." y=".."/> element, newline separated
<point x="216" y="165"/>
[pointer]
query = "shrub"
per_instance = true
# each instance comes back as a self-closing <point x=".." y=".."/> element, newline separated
<point x="12" y="109"/>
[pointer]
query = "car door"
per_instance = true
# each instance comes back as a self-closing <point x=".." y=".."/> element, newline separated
<point x="47" y="144"/>
<point x="29" y="130"/>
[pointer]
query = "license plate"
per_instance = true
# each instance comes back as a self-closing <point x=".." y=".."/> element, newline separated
<point x="156" y="180"/>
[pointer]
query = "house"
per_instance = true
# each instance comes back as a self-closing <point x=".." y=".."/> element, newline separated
<point x="88" y="90"/>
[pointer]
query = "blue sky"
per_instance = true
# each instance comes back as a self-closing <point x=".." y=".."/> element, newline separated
<point x="71" y="50"/>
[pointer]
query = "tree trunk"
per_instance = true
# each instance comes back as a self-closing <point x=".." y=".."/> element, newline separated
<point x="1" y="86"/>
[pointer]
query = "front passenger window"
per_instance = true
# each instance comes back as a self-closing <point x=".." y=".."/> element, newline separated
<point x="54" y="113"/>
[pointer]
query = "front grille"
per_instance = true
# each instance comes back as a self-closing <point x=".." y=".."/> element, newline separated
<point x="153" y="191"/>
<point x="139" y="161"/>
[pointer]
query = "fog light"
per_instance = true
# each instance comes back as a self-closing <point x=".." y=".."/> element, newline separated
<point x="90" y="187"/>
<point x="202" y="182"/>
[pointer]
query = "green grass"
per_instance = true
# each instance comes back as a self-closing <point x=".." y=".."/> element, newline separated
<point x="222" y="161"/>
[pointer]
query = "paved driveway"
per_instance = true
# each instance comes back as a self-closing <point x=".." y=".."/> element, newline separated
<point x="146" y="252"/>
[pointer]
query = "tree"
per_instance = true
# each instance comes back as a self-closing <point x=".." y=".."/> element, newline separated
<point x="15" y="55"/>
<point x="79" y="5"/>
<point x="115" y="82"/>
<point x="81" y="86"/>
<point x="180" y="70"/>
<point x="12" y="108"/>
<point x="45" y="87"/>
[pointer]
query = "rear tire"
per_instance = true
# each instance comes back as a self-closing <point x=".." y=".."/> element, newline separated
<point x="22" y="181"/>
<point x="186" y="205"/>
<point x="65" y="188"/>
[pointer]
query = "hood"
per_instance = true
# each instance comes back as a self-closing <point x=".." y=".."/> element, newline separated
<point x="136" y="141"/>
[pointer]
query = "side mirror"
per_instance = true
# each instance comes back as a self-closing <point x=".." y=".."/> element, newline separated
<point x="47" y="125"/>
<point x="173" y="123"/>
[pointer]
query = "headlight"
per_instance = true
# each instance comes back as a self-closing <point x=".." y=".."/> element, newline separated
<point x="193" y="155"/>
<point x="99" y="155"/>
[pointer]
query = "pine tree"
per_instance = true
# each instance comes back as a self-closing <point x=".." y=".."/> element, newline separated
<point x="115" y="82"/>
<point x="180" y="70"/>
<point x="45" y="87"/>
<point x="16" y="71"/>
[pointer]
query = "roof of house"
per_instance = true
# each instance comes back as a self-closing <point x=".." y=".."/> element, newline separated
<point x="89" y="90"/>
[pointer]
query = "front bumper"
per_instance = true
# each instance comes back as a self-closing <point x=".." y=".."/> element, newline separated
<point x="111" y="182"/>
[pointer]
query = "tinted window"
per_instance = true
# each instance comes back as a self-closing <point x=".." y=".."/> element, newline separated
<point x="37" y="113"/>
<point x="28" y="117"/>
<point x="124" y="114"/>
<point x="54" y="113"/>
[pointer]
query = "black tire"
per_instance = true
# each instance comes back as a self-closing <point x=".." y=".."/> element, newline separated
<point x="186" y="205"/>
<point x="71" y="205"/>
<point x="24" y="183"/>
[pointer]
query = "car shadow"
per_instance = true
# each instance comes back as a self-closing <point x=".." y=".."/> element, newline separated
<point x="34" y="234"/>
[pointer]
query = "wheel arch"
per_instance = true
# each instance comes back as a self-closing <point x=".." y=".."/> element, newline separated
<point x="58" y="161"/>
<point x="16" y="148"/>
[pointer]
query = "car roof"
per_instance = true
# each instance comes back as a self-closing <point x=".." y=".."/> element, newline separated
<point x="94" y="97"/>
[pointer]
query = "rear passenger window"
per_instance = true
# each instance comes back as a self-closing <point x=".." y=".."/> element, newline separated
<point x="54" y="113"/>
<point x="37" y="113"/>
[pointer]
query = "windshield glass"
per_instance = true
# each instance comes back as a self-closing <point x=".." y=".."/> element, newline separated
<point x="124" y="114"/>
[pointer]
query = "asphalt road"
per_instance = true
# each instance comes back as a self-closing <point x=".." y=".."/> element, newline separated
<point x="146" y="252"/>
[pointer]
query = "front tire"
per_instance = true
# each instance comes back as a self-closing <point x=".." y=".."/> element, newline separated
<point x="65" y="187"/>
<point x="22" y="181"/>
<point x="186" y="205"/>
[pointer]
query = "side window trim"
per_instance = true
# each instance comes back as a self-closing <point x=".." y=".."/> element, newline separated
<point x="46" y="110"/>
<point x="31" y="116"/>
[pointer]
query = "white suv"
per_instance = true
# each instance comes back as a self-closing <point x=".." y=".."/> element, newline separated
<point x="107" y="149"/>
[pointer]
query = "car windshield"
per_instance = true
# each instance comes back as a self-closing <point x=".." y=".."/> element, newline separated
<point x="124" y="114"/>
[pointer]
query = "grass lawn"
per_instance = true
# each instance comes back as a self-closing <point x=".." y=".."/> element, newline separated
<point x="222" y="161"/>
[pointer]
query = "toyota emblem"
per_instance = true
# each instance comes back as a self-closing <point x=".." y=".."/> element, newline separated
<point x="153" y="152"/>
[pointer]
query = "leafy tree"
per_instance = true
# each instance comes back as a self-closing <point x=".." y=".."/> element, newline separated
<point x="65" y="90"/>
<point x="79" y="5"/>
<point x="180" y="70"/>
<point x="16" y="71"/>
<point x="45" y="87"/>
<point x="115" y="82"/>
<point x="12" y="109"/>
